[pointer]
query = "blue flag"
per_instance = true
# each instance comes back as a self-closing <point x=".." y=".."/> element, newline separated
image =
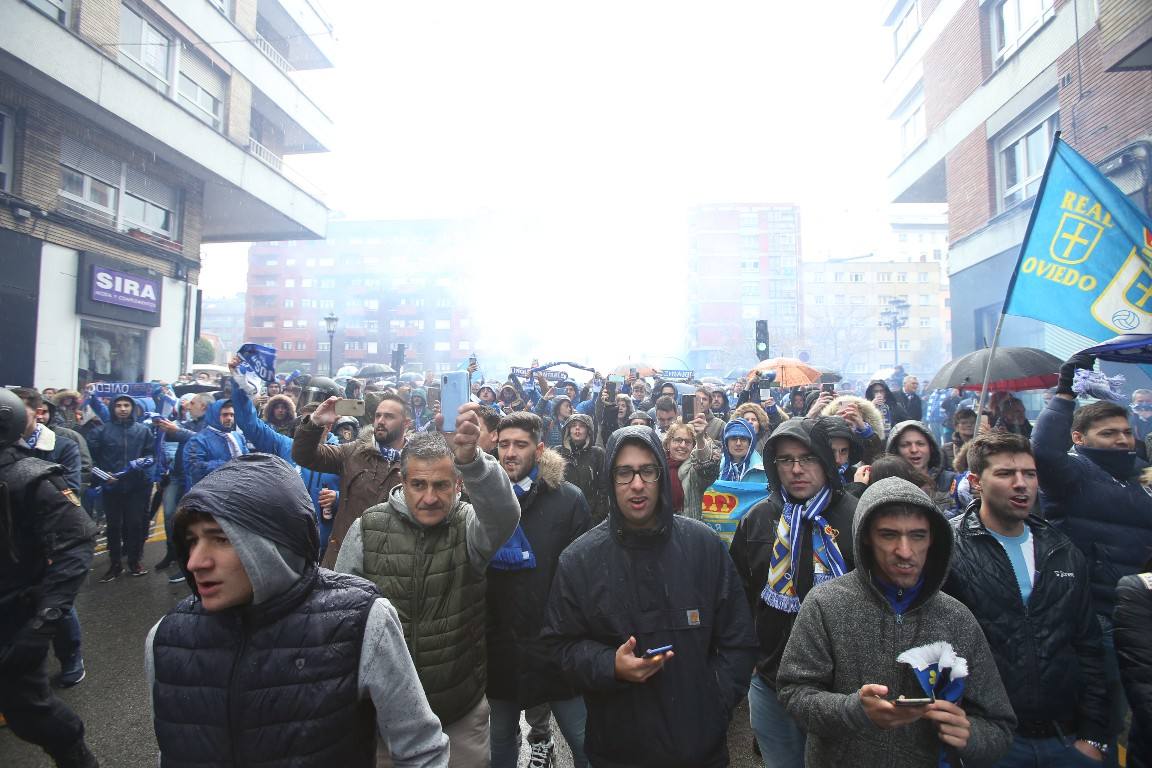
<point x="725" y="502"/>
<point x="262" y="360"/>
<point x="1086" y="260"/>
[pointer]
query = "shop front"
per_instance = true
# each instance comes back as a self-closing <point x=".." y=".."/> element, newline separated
<point x="118" y="306"/>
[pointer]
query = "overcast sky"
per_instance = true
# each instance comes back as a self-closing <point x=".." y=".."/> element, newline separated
<point x="602" y="122"/>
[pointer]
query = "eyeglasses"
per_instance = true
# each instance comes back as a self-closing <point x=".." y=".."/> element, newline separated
<point x="804" y="461"/>
<point x="649" y="473"/>
<point x="681" y="441"/>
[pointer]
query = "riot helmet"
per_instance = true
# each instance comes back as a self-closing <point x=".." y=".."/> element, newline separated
<point x="13" y="418"/>
<point x="316" y="390"/>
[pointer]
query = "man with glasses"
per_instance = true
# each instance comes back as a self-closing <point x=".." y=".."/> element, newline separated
<point x="798" y="538"/>
<point x="647" y="621"/>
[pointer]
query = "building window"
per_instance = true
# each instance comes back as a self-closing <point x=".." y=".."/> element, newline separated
<point x="111" y="352"/>
<point x="144" y="49"/>
<point x="289" y="303"/>
<point x="906" y="28"/>
<point x="286" y="346"/>
<point x="925" y="322"/>
<point x="199" y="101"/>
<point x="7" y="143"/>
<point x="913" y="129"/>
<point x="56" y="10"/>
<point x="323" y="346"/>
<point x="923" y="277"/>
<point x="89" y="191"/>
<point x="287" y="323"/>
<point x="1021" y="153"/>
<point x="1014" y="21"/>
<point x="301" y="323"/>
<point x="301" y="346"/>
<point x="857" y="277"/>
<point x="901" y="277"/>
<point x="819" y="299"/>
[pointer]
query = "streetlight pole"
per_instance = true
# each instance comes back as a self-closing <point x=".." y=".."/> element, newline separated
<point x="894" y="318"/>
<point x="330" y="321"/>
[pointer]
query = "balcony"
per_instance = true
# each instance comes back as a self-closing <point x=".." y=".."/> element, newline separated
<point x="267" y="156"/>
<point x="273" y="55"/>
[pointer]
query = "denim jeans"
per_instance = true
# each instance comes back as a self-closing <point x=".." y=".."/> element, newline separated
<point x="570" y="716"/>
<point x="780" y="738"/>
<point x="1045" y="753"/>
<point x="66" y="641"/>
<point x="172" y="494"/>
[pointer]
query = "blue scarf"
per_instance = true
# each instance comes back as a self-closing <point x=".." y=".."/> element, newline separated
<point x="517" y="554"/>
<point x="32" y="439"/>
<point x="780" y="591"/>
<point x="391" y="455"/>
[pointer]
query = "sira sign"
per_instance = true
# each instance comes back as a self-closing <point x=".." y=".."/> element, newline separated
<point x="111" y="286"/>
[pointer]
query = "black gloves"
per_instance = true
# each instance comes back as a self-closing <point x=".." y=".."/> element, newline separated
<point x="1068" y="371"/>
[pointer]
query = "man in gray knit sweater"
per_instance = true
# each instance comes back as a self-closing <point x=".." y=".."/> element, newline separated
<point x="839" y="674"/>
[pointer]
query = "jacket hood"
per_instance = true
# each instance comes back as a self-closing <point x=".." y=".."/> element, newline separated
<point x="266" y="512"/>
<point x="870" y="413"/>
<point x="551" y="465"/>
<point x="838" y="427"/>
<point x="738" y="428"/>
<point x="756" y="412"/>
<point x="212" y="415"/>
<point x="879" y="383"/>
<point x="814" y="434"/>
<point x="646" y="438"/>
<point x="893" y="490"/>
<point x="578" y="418"/>
<point x="66" y="394"/>
<point x="935" y="458"/>
<point x="280" y="399"/>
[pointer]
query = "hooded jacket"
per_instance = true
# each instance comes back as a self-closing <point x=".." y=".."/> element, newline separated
<point x="208" y="450"/>
<point x="582" y="465"/>
<point x="1095" y="496"/>
<point x="284" y="426"/>
<point x="222" y="692"/>
<point x="672" y="584"/>
<point x="764" y="423"/>
<point x="266" y="439"/>
<point x="944" y="493"/>
<point x="56" y="449"/>
<point x="896" y="412"/>
<point x="756" y="536"/>
<point x="1133" y="617"/>
<point x="847" y="635"/>
<point x="114" y="444"/>
<point x="872" y="444"/>
<point x="1049" y="650"/>
<point x="553" y="514"/>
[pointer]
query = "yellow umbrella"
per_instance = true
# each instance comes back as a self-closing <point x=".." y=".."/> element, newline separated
<point x="790" y="372"/>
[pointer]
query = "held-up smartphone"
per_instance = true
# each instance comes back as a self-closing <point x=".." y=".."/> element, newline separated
<point x="765" y="393"/>
<point x="657" y="651"/>
<point x="453" y="394"/>
<point x="347" y="407"/>
<point x="433" y="395"/>
<point x="632" y="373"/>
<point x="829" y="388"/>
<point x="687" y="407"/>
<point x="611" y="387"/>
<point x="903" y="702"/>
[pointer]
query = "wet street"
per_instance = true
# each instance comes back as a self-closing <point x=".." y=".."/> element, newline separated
<point x="113" y="700"/>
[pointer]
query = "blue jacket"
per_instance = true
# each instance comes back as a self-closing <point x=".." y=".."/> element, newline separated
<point x="208" y="450"/>
<point x="265" y="439"/>
<point x="1096" y="498"/>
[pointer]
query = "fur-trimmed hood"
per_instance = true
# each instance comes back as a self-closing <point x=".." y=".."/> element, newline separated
<point x="756" y="412"/>
<point x="267" y="411"/>
<point x="869" y="412"/>
<point x="551" y="466"/>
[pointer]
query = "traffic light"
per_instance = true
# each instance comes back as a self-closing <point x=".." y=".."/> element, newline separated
<point x="398" y="357"/>
<point x="761" y="339"/>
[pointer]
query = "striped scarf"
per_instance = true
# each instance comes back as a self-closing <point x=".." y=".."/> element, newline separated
<point x="828" y="563"/>
<point x="235" y="447"/>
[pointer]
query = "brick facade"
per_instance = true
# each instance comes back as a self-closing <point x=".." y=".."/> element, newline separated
<point x="947" y="85"/>
<point x="40" y="125"/>
<point x="970" y="185"/>
<point x="98" y="22"/>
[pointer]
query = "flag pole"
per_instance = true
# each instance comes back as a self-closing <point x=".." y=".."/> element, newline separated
<point x="1012" y="284"/>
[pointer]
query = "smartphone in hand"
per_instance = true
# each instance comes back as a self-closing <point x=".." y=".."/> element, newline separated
<point x="687" y="407"/>
<point x="453" y="394"/>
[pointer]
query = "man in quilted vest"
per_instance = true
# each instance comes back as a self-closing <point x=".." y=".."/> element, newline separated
<point x="427" y="552"/>
<point x="272" y="659"/>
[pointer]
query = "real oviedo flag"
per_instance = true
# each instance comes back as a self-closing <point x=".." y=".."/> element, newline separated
<point x="262" y="359"/>
<point x="1086" y="260"/>
<point x="725" y="502"/>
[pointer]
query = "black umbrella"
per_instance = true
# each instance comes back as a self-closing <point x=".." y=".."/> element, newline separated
<point x="375" y="371"/>
<point x="1013" y="369"/>
<point x="828" y="376"/>
<point x="184" y="389"/>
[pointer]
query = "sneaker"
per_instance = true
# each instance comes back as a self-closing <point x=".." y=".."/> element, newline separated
<point x="71" y="674"/>
<point x="540" y="754"/>
<point x="176" y="578"/>
<point x="114" y="570"/>
<point x="164" y="564"/>
<point x="137" y="570"/>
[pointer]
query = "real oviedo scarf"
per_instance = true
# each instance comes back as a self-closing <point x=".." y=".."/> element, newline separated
<point x="828" y="563"/>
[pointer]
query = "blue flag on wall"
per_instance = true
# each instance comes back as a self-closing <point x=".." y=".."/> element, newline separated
<point x="1086" y="260"/>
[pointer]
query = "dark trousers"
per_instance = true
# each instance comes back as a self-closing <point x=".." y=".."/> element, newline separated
<point x="34" y="712"/>
<point x="127" y="516"/>
<point x="66" y="642"/>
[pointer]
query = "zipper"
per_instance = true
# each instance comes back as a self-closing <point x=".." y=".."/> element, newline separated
<point x="234" y="696"/>
<point x="417" y="584"/>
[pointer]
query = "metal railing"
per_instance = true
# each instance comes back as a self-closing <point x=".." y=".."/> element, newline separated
<point x="274" y="55"/>
<point x="274" y="161"/>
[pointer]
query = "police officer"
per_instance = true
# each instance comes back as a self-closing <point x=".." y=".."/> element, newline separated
<point x="46" y="547"/>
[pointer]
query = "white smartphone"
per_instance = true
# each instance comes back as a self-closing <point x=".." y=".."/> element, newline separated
<point x="453" y="394"/>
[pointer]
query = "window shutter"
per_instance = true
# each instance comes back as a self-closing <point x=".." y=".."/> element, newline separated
<point x="89" y="161"/>
<point x="202" y="72"/>
<point x="142" y="185"/>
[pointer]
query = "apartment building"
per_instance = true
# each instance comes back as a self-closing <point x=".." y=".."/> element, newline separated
<point x="385" y="283"/>
<point x="131" y="132"/>
<point x="977" y="91"/>
<point x="743" y="266"/>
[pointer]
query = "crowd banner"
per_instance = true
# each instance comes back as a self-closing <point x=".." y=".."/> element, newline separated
<point x="527" y="374"/>
<point x="670" y="374"/>
<point x="114" y="388"/>
<point x="1086" y="260"/>
<point x="261" y="359"/>
<point x="725" y="502"/>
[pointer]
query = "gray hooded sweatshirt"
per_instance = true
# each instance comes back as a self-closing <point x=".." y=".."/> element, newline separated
<point x="848" y="635"/>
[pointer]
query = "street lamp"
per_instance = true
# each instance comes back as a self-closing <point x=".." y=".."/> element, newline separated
<point x="330" y="321"/>
<point x="894" y="318"/>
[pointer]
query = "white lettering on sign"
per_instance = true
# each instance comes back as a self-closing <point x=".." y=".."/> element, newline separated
<point x="126" y="286"/>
